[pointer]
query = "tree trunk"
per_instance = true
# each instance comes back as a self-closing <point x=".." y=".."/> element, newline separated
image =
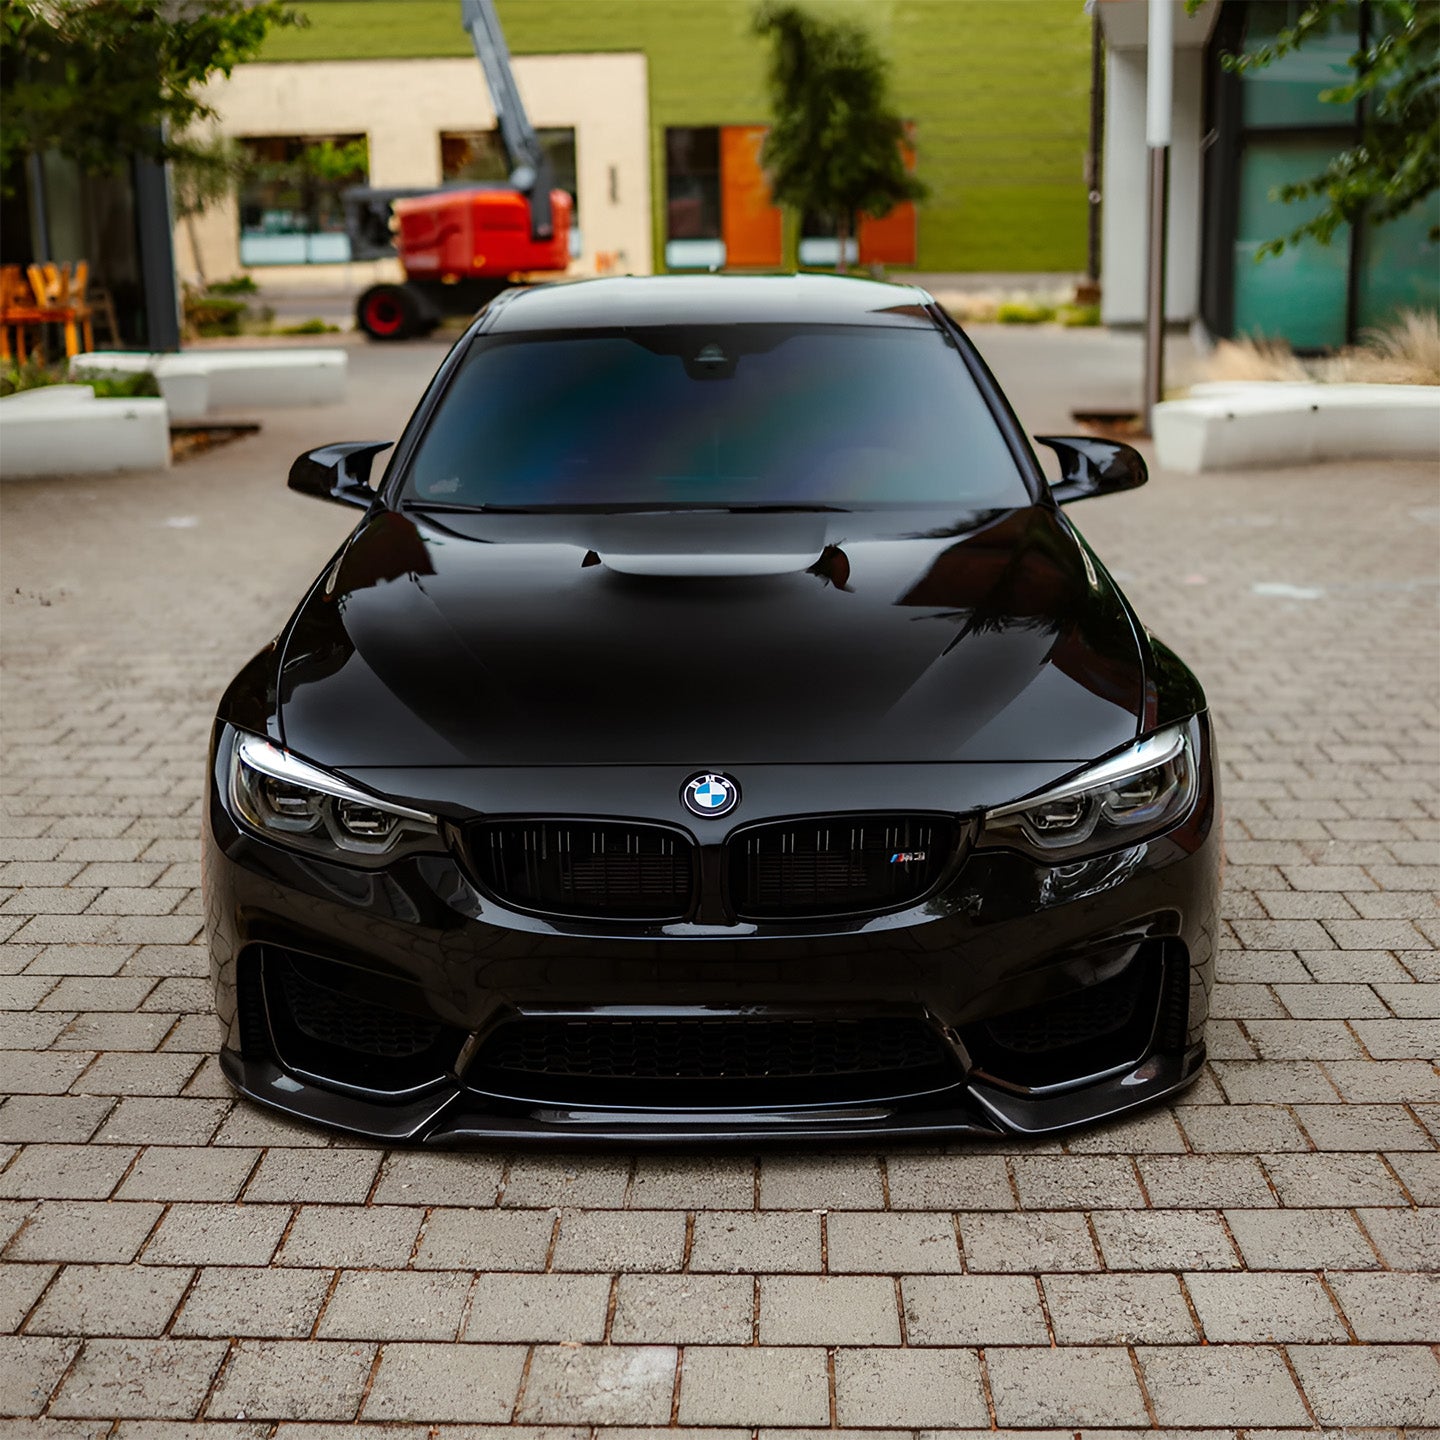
<point x="192" y="235"/>
<point x="842" y="229"/>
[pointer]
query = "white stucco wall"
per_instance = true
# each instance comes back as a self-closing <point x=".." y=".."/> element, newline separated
<point x="402" y="106"/>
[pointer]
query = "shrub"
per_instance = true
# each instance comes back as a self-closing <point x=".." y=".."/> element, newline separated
<point x="32" y="375"/>
<point x="1075" y="316"/>
<point x="207" y="314"/>
<point x="1405" y="352"/>
<point x="107" y="385"/>
<point x="309" y="327"/>
<point x="235" y="285"/>
<point x="1024" y="312"/>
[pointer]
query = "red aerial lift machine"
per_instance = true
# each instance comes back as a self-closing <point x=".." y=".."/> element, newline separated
<point x="462" y="245"/>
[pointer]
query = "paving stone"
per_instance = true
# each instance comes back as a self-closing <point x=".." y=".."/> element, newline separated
<point x="1264" y="1308"/>
<point x="333" y="1177"/>
<point x="1118" y="1309"/>
<point x="436" y="1383"/>
<point x="84" y="1230"/>
<point x="139" y="1378"/>
<point x="1151" y="1133"/>
<point x="733" y="1385"/>
<point x="489" y="1240"/>
<point x="1074" y="1386"/>
<point x="415" y="1177"/>
<point x="1420" y="1175"/>
<point x="1161" y="1240"/>
<point x="1375" y="1385"/>
<point x="1300" y="1240"/>
<point x="52" y="1118"/>
<point x="262" y="1303"/>
<point x="203" y="1234"/>
<point x="20" y="1288"/>
<point x="563" y="1309"/>
<point x="293" y="1380"/>
<point x="136" y="1074"/>
<point x="1073" y="1182"/>
<point x="684" y="1310"/>
<point x="970" y="1310"/>
<point x="736" y="1240"/>
<point x="24" y="1073"/>
<point x="187" y="1172"/>
<point x="1242" y="1129"/>
<point x="1333" y="1180"/>
<point x="338" y="1235"/>
<point x="609" y="1384"/>
<point x="1207" y="1385"/>
<point x="119" y="1300"/>
<point x="949" y="1182"/>
<point x="828" y="1310"/>
<point x="66" y="1172"/>
<point x="617" y="1240"/>
<point x="1030" y="1244"/>
<point x="1408" y="1239"/>
<point x="687" y="1182"/>
<point x="1386" y="1306"/>
<point x="30" y="1368"/>
<point x="143" y="1120"/>
<point x="906" y="1387"/>
<point x="1205" y="1182"/>
<point x="1362" y="1127"/>
<point x="820" y="1182"/>
<point x="540" y="1181"/>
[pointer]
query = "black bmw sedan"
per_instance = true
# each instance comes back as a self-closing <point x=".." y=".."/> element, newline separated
<point x="713" y="729"/>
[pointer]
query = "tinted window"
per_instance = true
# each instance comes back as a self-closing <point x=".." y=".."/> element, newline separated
<point x="738" y="415"/>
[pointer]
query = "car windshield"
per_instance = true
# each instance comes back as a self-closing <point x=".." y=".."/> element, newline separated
<point x="675" y="417"/>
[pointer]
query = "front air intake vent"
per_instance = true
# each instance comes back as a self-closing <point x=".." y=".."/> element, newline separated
<point x="837" y="864"/>
<point x="606" y="869"/>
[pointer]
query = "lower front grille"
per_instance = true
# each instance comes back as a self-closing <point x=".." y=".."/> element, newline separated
<point x="335" y="1018"/>
<point x="587" y="868"/>
<point x="710" y="1049"/>
<point x="837" y="865"/>
<point x="1087" y="1015"/>
<point x="341" y="1025"/>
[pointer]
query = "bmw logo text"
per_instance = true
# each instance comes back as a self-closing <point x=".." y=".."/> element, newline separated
<point x="710" y="795"/>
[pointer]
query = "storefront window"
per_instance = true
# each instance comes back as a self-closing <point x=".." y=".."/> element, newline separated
<point x="692" y="198"/>
<point x="290" y="209"/>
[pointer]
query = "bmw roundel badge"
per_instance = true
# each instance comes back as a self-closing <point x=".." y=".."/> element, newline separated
<point x="710" y="795"/>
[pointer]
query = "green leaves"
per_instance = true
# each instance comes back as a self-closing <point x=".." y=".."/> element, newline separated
<point x="1395" y="164"/>
<point x="834" y="148"/>
<point x="101" y="80"/>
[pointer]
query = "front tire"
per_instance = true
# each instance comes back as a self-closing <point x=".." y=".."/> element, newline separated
<point x="389" y="312"/>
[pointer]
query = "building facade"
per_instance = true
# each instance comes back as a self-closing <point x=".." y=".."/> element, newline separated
<point x="655" y="111"/>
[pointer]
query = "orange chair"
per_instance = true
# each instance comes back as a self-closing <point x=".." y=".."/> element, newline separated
<point x="19" y="311"/>
<point x="61" y="290"/>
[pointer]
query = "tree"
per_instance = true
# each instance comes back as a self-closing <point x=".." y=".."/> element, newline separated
<point x="1395" y="163"/>
<point x="100" y="81"/>
<point x="205" y="173"/>
<point x="835" y="146"/>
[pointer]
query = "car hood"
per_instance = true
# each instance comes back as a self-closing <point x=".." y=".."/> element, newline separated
<point x="711" y="639"/>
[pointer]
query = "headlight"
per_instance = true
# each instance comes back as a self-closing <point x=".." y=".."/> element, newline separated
<point x="1141" y="791"/>
<point x="297" y="805"/>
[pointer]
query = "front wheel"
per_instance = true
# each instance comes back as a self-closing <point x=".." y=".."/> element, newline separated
<point x="389" y="312"/>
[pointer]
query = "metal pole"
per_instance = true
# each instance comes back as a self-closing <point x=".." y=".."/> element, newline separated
<point x="1092" y="158"/>
<point x="1159" y="85"/>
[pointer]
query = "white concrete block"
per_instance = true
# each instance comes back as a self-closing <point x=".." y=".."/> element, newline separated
<point x="76" y="434"/>
<point x="233" y="379"/>
<point x="1239" y="424"/>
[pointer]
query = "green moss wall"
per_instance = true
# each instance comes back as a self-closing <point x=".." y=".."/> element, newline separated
<point x="998" y="90"/>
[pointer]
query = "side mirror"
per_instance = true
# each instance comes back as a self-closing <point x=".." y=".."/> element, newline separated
<point x="1091" y="466"/>
<point x="338" y="472"/>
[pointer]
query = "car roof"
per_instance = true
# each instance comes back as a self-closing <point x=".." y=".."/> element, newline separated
<point x="625" y="300"/>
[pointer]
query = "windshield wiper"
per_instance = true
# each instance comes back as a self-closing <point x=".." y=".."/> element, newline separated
<point x="784" y="509"/>
<point x="456" y="507"/>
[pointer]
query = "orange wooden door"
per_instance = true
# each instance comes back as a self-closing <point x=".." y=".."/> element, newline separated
<point x="891" y="241"/>
<point x="749" y="220"/>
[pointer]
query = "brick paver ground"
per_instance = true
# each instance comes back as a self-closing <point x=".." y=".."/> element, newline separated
<point x="1258" y="1257"/>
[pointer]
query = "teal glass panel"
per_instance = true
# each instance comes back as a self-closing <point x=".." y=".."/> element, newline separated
<point x="1287" y="91"/>
<point x="1399" y="266"/>
<point x="1298" y="295"/>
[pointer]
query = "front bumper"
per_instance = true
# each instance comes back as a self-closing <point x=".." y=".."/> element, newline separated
<point x="1003" y="941"/>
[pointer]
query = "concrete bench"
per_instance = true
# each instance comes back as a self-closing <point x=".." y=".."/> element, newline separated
<point x="65" y="430"/>
<point x="200" y="382"/>
<point x="1235" y="425"/>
